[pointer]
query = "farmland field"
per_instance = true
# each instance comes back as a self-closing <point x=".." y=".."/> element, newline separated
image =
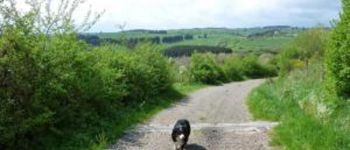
<point x="270" y="39"/>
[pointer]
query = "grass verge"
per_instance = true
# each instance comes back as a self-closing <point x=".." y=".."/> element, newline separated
<point x="308" y="119"/>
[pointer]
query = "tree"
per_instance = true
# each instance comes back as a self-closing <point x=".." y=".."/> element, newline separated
<point x="338" y="54"/>
<point x="48" y="16"/>
<point x="40" y="60"/>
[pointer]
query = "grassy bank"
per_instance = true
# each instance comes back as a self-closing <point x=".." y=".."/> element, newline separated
<point x="308" y="118"/>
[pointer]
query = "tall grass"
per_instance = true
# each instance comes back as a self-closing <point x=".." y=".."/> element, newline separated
<point x="298" y="102"/>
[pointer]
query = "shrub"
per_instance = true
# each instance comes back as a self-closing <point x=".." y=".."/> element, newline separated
<point x="233" y="68"/>
<point x="49" y="85"/>
<point x="52" y="84"/>
<point x="308" y="45"/>
<point x="338" y="55"/>
<point x="251" y="68"/>
<point x="204" y="69"/>
<point x="147" y="72"/>
<point x="45" y="92"/>
<point x="41" y="85"/>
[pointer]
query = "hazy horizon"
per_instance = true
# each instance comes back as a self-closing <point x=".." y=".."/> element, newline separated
<point x="187" y="14"/>
<point x="154" y="29"/>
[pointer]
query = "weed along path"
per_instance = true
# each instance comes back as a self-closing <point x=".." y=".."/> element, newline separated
<point x="219" y="119"/>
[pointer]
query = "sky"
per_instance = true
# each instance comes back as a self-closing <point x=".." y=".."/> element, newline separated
<point x="176" y="14"/>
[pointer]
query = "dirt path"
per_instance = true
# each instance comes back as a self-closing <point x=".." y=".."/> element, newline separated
<point x="219" y="120"/>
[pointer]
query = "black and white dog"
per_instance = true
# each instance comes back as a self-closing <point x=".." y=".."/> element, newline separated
<point x="180" y="134"/>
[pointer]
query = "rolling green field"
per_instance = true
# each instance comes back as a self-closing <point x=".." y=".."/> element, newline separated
<point x="239" y="40"/>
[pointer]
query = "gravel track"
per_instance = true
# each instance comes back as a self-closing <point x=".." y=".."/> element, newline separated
<point x="219" y="120"/>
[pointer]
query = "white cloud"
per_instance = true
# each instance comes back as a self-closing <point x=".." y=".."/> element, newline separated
<point x="164" y="14"/>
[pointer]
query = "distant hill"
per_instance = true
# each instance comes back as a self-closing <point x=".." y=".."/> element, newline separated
<point x="267" y="38"/>
<point x="277" y="27"/>
<point x="148" y="31"/>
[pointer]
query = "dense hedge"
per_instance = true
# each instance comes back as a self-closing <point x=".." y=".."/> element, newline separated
<point x="50" y="84"/>
<point x="248" y="67"/>
<point x="252" y="68"/>
<point x="179" y="51"/>
<point x="233" y="68"/>
<point x="338" y="54"/>
<point x="204" y="69"/>
<point x="297" y="54"/>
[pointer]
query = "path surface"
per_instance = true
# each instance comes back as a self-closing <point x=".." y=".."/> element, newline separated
<point x="219" y="119"/>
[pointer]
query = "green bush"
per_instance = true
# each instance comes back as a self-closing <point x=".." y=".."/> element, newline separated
<point x="51" y="84"/>
<point x="338" y="54"/>
<point x="233" y="68"/>
<point x="204" y="69"/>
<point x="252" y="68"/>
<point x="43" y="86"/>
<point x="308" y="45"/>
<point x="146" y="72"/>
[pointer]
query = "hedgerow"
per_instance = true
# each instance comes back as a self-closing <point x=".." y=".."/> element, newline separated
<point x="54" y="83"/>
<point x="338" y="55"/>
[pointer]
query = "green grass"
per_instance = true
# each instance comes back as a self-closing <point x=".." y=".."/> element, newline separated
<point x="187" y="88"/>
<point x="307" y="118"/>
<point x="274" y="43"/>
<point x="112" y="128"/>
<point x="231" y="38"/>
<point x="240" y="44"/>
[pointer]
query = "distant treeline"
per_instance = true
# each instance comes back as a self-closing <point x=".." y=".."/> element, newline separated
<point x="179" y="51"/>
<point x="173" y="39"/>
<point x="149" y="31"/>
<point x="131" y="42"/>
<point x="91" y="39"/>
<point x="268" y="33"/>
<point x="277" y="27"/>
<point x="134" y="41"/>
<point x="177" y="38"/>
